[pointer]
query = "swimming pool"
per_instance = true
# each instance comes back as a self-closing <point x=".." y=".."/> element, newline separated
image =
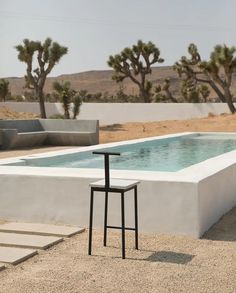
<point x="192" y="186"/>
<point x="165" y="155"/>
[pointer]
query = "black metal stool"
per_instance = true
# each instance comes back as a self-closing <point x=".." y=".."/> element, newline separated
<point x="117" y="186"/>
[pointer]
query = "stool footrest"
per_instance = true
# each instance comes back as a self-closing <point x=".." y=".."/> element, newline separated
<point x="116" y="227"/>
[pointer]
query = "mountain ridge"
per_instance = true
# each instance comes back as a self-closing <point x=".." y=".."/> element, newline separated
<point x="95" y="81"/>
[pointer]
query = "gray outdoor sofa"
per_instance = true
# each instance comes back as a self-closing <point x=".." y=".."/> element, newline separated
<point x="28" y="133"/>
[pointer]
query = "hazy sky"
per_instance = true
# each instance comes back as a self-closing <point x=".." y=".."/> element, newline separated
<point x="95" y="29"/>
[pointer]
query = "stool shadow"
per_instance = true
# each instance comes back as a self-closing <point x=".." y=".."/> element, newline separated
<point x="170" y="257"/>
<point x="160" y="256"/>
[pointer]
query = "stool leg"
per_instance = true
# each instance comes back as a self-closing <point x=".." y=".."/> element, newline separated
<point x="136" y="216"/>
<point x="105" y="220"/>
<point x="90" y="222"/>
<point x="123" y="223"/>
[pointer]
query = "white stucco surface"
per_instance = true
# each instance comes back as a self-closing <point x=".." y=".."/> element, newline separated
<point x="110" y="113"/>
<point x="186" y="202"/>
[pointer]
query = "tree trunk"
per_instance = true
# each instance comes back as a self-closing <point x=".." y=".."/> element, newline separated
<point x="218" y="92"/>
<point x="40" y="97"/>
<point x="170" y="96"/>
<point x="67" y="114"/>
<point x="144" y="94"/>
<point x="229" y="100"/>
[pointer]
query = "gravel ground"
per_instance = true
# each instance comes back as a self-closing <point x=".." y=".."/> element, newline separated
<point x="163" y="264"/>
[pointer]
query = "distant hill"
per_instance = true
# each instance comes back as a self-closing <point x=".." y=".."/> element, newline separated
<point x="95" y="81"/>
<point x="101" y="81"/>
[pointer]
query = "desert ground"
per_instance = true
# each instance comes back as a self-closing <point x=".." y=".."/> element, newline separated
<point x="164" y="263"/>
<point x="6" y="113"/>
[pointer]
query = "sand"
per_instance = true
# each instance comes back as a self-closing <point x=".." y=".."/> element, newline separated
<point x="163" y="264"/>
<point x="6" y="113"/>
<point x="119" y="132"/>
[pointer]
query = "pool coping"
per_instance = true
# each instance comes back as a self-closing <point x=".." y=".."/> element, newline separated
<point x="193" y="173"/>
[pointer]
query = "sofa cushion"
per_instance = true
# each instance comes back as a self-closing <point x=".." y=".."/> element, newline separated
<point x="69" y="125"/>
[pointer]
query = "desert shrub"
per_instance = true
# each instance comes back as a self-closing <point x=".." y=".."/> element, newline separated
<point x="210" y="114"/>
<point x="57" y="116"/>
<point x="67" y="96"/>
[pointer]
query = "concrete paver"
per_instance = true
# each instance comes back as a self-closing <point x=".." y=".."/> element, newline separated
<point x="15" y="255"/>
<point x="28" y="241"/>
<point x="40" y="229"/>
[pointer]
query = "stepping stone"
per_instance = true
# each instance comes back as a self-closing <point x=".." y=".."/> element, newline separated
<point x="15" y="255"/>
<point x="40" y="229"/>
<point x="28" y="241"/>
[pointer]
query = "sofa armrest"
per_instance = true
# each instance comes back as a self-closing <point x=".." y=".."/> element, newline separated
<point x="9" y="132"/>
<point x="8" y="135"/>
<point x="1" y="137"/>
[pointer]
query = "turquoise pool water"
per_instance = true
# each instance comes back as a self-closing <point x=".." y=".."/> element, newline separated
<point x="169" y="154"/>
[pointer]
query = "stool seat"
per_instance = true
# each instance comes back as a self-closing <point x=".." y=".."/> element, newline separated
<point x="122" y="184"/>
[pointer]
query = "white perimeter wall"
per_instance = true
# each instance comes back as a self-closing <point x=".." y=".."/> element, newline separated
<point x="110" y="113"/>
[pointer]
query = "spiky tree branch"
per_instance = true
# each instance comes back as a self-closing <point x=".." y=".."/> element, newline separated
<point x="4" y="89"/>
<point x="163" y="93"/>
<point x="135" y="63"/>
<point x="216" y="72"/>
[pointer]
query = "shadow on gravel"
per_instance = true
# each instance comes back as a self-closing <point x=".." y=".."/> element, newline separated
<point x="170" y="257"/>
<point x="112" y="127"/>
<point x="158" y="256"/>
<point x="224" y="229"/>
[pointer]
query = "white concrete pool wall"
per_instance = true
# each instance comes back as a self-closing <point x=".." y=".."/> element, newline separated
<point x="186" y="202"/>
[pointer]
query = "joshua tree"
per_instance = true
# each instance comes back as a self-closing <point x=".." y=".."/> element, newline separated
<point x="76" y="107"/>
<point x="164" y="94"/>
<point x="67" y="96"/>
<point x="4" y="89"/>
<point x="193" y="92"/>
<point x="48" y="54"/>
<point x="135" y="63"/>
<point x="216" y="72"/>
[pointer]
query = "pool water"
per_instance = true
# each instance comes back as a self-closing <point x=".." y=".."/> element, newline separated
<point x="168" y="154"/>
